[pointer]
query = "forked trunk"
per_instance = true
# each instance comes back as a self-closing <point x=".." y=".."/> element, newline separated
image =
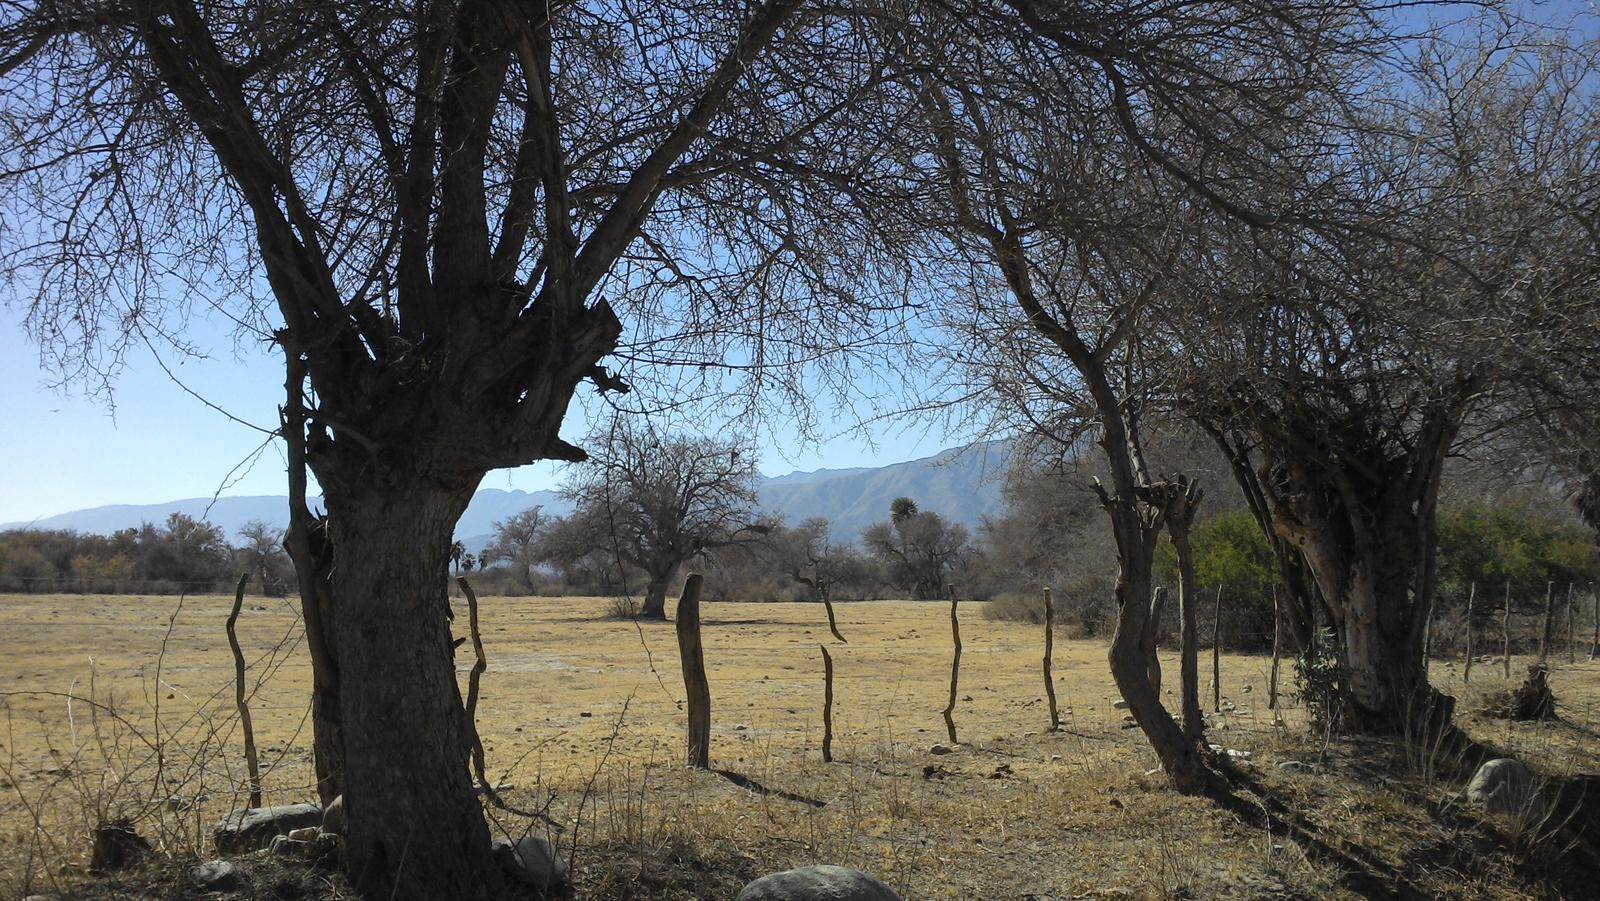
<point x="1380" y="620"/>
<point x="415" y="829"/>
<point x="1129" y="668"/>
<point x="1194" y="719"/>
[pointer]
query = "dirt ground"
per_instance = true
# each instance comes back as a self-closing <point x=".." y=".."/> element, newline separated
<point x="122" y="707"/>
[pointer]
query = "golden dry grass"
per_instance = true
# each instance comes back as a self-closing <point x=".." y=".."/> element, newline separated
<point x="582" y="713"/>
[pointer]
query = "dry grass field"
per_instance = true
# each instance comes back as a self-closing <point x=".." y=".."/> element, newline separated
<point x="581" y="716"/>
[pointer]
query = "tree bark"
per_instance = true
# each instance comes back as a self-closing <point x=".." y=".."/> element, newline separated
<point x="415" y="829"/>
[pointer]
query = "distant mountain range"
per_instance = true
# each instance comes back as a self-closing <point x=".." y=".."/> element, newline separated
<point x="961" y="484"/>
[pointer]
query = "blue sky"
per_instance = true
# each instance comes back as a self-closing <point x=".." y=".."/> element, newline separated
<point x="154" y="442"/>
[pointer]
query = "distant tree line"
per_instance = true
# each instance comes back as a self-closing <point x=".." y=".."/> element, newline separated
<point x="182" y="554"/>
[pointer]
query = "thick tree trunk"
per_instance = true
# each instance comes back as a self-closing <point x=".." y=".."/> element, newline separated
<point x="1369" y="584"/>
<point x="415" y="829"/>
<point x="655" y="597"/>
<point x="1129" y="669"/>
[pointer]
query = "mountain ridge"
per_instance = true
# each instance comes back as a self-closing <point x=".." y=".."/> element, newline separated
<point x="961" y="484"/>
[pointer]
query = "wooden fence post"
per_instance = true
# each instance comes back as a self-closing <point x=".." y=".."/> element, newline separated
<point x="1216" y="655"/>
<point x="1594" y="646"/>
<point x="1505" y="633"/>
<point x="1277" y="651"/>
<point x="1472" y="593"/>
<point x="955" y="667"/>
<point x="827" y="705"/>
<point x="1049" y="646"/>
<point x="695" y="685"/>
<point x="1571" y="652"/>
<point x="1549" y="608"/>
<point x="252" y="762"/>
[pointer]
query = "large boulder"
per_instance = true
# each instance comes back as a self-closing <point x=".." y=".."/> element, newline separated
<point x="254" y="828"/>
<point x="531" y="860"/>
<point x="823" y="882"/>
<point x="1503" y="786"/>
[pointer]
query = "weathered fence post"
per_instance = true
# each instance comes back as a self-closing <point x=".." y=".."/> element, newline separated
<point x="480" y="664"/>
<point x="1594" y="646"/>
<point x="827" y="705"/>
<point x="1571" y="652"/>
<point x="955" y="667"/>
<point x="1049" y="646"/>
<point x="1549" y="608"/>
<point x="695" y="685"/>
<point x="1472" y="593"/>
<point x="1505" y="633"/>
<point x="251" y="762"/>
<point x="1427" y="640"/>
<point x="1216" y="655"/>
<point x="1277" y="651"/>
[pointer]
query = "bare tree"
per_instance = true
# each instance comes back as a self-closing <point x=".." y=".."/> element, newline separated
<point x="659" y="501"/>
<point x="920" y="549"/>
<point x="1339" y="363"/>
<point x="1074" y="155"/>
<point x="440" y="213"/>
<point x="516" y="541"/>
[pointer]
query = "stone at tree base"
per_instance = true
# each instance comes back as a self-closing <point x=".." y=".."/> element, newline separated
<point x="217" y="875"/>
<point x="284" y="846"/>
<point x="531" y="860"/>
<point x="255" y="827"/>
<point x="823" y="882"/>
<point x="1503" y="786"/>
<point x="333" y="816"/>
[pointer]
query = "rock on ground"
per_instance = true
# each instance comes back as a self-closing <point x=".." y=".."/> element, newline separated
<point x="333" y="817"/>
<point x="217" y="875"/>
<point x="1502" y="786"/>
<point x="254" y="828"/>
<point x="531" y="860"/>
<point x="824" y="882"/>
